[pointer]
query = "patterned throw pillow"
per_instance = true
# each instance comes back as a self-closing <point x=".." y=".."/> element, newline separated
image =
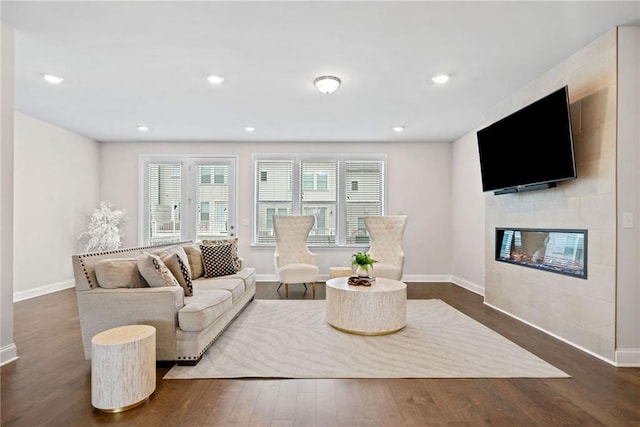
<point x="154" y="271"/>
<point x="195" y="261"/>
<point x="234" y="249"/>
<point x="218" y="260"/>
<point x="186" y="274"/>
<point x="177" y="262"/>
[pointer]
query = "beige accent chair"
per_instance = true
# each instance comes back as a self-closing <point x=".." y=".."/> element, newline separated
<point x="386" y="233"/>
<point x="294" y="262"/>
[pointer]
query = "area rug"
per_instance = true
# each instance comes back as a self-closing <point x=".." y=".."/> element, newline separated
<point x="291" y="339"/>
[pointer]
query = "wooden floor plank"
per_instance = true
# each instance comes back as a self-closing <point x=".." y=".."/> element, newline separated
<point x="50" y="384"/>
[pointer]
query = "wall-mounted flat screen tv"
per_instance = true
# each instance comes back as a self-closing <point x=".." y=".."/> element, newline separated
<point x="530" y="149"/>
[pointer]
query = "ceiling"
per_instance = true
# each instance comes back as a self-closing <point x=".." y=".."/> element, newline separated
<point x="146" y="62"/>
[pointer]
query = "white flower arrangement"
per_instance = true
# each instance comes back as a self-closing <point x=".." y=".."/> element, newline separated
<point x="103" y="229"/>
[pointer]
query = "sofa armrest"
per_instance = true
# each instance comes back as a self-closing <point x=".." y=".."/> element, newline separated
<point x="101" y="309"/>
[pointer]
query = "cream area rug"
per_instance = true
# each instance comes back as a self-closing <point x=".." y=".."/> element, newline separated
<point x="292" y="339"/>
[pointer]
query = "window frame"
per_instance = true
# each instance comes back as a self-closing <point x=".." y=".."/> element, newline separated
<point x="189" y="209"/>
<point x="297" y="190"/>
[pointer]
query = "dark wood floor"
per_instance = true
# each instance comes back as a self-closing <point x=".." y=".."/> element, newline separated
<point x="50" y="384"/>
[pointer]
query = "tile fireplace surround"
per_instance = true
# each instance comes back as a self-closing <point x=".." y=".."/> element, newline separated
<point x="559" y="251"/>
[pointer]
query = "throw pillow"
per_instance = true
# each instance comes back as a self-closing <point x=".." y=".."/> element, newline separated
<point x="154" y="271"/>
<point x="180" y="270"/>
<point x="115" y="273"/>
<point x="234" y="249"/>
<point x="218" y="260"/>
<point x="195" y="261"/>
<point x="177" y="262"/>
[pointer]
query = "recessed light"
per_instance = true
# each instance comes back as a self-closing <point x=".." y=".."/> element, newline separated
<point x="398" y="129"/>
<point x="215" y="79"/>
<point x="440" y="78"/>
<point x="249" y="129"/>
<point x="54" y="80"/>
<point x="142" y="128"/>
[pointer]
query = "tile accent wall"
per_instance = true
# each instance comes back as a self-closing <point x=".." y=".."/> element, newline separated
<point x="579" y="311"/>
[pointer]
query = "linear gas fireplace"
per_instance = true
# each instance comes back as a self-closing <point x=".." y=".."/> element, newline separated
<point x="554" y="250"/>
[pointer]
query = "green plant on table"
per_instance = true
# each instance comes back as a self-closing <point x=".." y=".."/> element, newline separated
<point x="363" y="261"/>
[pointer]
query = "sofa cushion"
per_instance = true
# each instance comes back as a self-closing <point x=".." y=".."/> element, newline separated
<point x="195" y="261"/>
<point x="248" y="276"/>
<point x="218" y="260"/>
<point x="203" y="309"/>
<point x="234" y="249"/>
<point x="114" y="273"/>
<point x="154" y="271"/>
<point x="233" y="285"/>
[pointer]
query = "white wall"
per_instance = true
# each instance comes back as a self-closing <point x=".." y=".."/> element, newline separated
<point x="418" y="184"/>
<point x="582" y="312"/>
<point x="467" y="213"/>
<point x="8" y="350"/>
<point x="56" y="188"/>
<point x="628" y="290"/>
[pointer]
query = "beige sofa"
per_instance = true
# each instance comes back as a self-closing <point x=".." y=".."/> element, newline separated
<point x="186" y="326"/>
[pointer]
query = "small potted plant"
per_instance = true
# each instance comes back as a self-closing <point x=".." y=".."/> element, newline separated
<point x="364" y="263"/>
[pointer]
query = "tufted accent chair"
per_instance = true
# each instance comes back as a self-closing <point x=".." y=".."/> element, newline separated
<point x="293" y="260"/>
<point x="386" y="234"/>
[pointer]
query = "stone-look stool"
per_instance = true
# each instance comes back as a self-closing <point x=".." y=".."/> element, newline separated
<point x="123" y="367"/>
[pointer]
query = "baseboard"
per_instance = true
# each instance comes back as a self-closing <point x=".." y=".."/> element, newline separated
<point x="410" y="278"/>
<point x="628" y="358"/>
<point x="470" y="286"/>
<point x="598" y="356"/>
<point x="8" y="354"/>
<point x="43" y="290"/>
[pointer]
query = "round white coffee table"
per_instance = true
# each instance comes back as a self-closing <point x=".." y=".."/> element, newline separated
<point x="378" y="309"/>
<point x="123" y="367"/>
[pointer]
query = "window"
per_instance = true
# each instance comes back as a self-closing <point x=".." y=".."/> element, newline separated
<point x="205" y="175"/>
<point x="219" y="175"/>
<point x="186" y="198"/>
<point x="204" y="211"/>
<point x="323" y="187"/>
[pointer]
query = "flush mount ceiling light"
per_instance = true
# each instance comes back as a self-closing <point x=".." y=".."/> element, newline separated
<point x="398" y="129"/>
<point x="54" y="80"/>
<point x="249" y="129"/>
<point x="142" y="128"/>
<point x="440" y="78"/>
<point x="215" y="79"/>
<point x="327" y="84"/>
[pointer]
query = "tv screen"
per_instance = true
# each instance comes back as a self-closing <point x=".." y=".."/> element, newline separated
<point x="529" y="149"/>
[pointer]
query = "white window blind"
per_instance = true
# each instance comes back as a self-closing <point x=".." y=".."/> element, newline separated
<point x="164" y="190"/>
<point x="319" y="198"/>
<point x="337" y="192"/>
<point x="211" y="191"/>
<point x="363" y="196"/>
<point x="274" y="195"/>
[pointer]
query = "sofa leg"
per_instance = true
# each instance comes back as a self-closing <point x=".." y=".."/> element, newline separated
<point x="193" y="362"/>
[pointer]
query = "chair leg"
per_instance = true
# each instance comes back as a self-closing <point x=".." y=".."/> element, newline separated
<point x="313" y="289"/>
<point x="279" y="287"/>
<point x="286" y="291"/>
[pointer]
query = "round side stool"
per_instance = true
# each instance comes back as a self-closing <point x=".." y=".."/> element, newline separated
<point x="123" y="367"/>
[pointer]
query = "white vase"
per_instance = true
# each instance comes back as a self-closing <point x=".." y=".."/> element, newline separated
<point x="362" y="271"/>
